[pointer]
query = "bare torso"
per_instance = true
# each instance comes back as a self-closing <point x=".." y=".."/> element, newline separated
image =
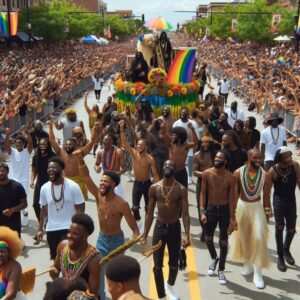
<point x="218" y="186"/>
<point x="71" y="162"/>
<point x="178" y="153"/>
<point x="203" y="163"/>
<point x="141" y="166"/>
<point x="169" y="208"/>
<point x="110" y="214"/>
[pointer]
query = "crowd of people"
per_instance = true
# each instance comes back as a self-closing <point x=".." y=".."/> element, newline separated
<point x="234" y="164"/>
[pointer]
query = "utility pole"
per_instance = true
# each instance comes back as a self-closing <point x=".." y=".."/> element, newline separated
<point x="8" y="23"/>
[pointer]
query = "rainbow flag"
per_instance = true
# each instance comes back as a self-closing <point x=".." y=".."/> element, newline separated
<point x="298" y="27"/>
<point x="13" y="23"/>
<point x="181" y="70"/>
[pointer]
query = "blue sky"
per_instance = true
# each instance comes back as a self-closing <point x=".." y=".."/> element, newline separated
<point x="157" y="8"/>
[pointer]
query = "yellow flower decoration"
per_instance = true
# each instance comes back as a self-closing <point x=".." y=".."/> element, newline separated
<point x="169" y="93"/>
<point x="133" y="91"/>
<point x="183" y="90"/>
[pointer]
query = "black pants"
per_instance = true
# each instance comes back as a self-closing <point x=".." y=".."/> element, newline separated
<point x="285" y="214"/>
<point x="97" y="94"/>
<point x="36" y="200"/>
<point x="182" y="177"/>
<point x="225" y="97"/>
<point x="54" y="238"/>
<point x="217" y="215"/>
<point x="170" y="235"/>
<point x="140" y="188"/>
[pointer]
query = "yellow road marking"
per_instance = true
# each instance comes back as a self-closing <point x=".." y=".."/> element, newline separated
<point x="193" y="280"/>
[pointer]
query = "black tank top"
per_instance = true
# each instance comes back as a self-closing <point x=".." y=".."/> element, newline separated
<point x="285" y="190"/>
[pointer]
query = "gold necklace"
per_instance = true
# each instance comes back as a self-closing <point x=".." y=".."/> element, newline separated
<point x="166" y="196"/>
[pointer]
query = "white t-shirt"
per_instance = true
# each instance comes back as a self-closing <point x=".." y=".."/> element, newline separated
<point x="179" y="123"/>
<point x="20" y="164"/>
<point x="232" y="117"/>
<point x="68" y="127"/>
<point x="61" y="213"/>
<point x="97" y="83"/>
<point x="224" y="87"/>
<point x="272" y="143"/>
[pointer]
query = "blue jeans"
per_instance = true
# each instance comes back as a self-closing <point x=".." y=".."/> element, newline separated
<point x="106" y="244"/>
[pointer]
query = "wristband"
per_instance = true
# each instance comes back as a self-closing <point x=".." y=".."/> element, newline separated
<point x="202" y="210"/>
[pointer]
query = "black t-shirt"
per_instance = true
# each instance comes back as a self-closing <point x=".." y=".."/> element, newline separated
<point x="237" y="159"/>
<point x="41" y="165"/>
<point x="254" y="137"/>
<point x="23" y="110"/>
<point x="10" y="196"/>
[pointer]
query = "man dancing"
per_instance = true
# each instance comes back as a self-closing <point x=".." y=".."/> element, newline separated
<point x="218" y="184"/>
<point x="142" y="164"/>
<point x="171" y="199"/>
<point x="285" y="176"/>
<point x="111" y="210"/>
<point x="249" y="242"/>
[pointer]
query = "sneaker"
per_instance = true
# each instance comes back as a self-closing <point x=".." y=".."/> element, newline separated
<point x="222" y="278"/>
<point x="24" y="218"/>
<point x="247" y="269"/>
<point x="281" y="266"/>
<point x="212" y="267"/>
<point x="288" y="257"/>
<point x="258" y="279"/>
<point x="140" y="225"/>
<point x="170" y="292"/>
<point x="190" y="181"/>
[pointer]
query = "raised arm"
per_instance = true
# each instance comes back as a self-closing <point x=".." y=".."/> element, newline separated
<point x="52" y="140"/>
<point x="125" y="143"/>
<point x="194" y="143"/>
<point x="85" y="174"/>
<point x="89" y="146"/>
<point x="88" y="110"/>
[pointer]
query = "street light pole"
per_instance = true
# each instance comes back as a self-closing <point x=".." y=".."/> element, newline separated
<point x="8" y="23"/>
<point x="28" y="22"/>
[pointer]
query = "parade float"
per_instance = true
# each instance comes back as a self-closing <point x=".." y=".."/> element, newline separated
<point x="174" y="87"/>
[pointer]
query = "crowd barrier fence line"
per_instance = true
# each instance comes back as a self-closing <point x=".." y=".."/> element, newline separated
<point x="235" y="84"/>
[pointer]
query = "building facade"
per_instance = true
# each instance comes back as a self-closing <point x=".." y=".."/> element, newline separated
<point x="16" y="5"/>
<point x="121" y="13"/>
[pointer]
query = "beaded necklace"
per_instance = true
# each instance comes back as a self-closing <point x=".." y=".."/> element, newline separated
<point x="57" y="203"/>
<point x="166" y="196"/>
<point x="252" y="186"/>
<point x="71" y="270"/>
<point x="283" y="174"/>
<point x="108" y="161"/>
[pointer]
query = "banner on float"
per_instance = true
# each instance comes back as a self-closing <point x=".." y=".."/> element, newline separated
<point x="14" y="17"/>
<point x="234" y="23"/>
<point x="276" y="18"/>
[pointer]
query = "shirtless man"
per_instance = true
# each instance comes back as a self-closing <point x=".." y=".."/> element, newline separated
<point x="111" y="210"/>
<point x="219" y="184"/>
<point x="179" y="148"/>
<point x="203" y="160"/>
<point x="249" y="243"/>
<point x="142" y="164"/>
<point x="112" y="159"/>
<point x="171" y="199"/>
<point x="71" y="161"/>
<point x="167" y="119"/>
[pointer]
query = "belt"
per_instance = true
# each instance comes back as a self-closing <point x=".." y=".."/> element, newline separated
<point x="143" y="182"/>
<point x="167" y="225"/>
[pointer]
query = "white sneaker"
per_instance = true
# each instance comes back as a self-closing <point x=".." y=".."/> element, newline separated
<point x="258" y="279"/>
<point x="170" y="292"/>
<point x="222" y="278"/>
<point x="24" y="218"/>
<point x="247" y="269"/>
<point x="212" y="267"/>
<point x="140" y="225"/>
<point x="190" y="181"/>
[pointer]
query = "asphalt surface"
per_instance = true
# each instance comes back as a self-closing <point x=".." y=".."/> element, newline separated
<point x="193" y="283"/>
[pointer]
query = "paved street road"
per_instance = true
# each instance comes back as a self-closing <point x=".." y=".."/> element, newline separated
<point x="193" y="283"/>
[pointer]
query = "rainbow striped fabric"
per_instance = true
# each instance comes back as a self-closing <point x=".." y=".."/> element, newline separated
<point x="159" y="24"/>
<point x="14" y="17"/>
<point x="181" y="70"/>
